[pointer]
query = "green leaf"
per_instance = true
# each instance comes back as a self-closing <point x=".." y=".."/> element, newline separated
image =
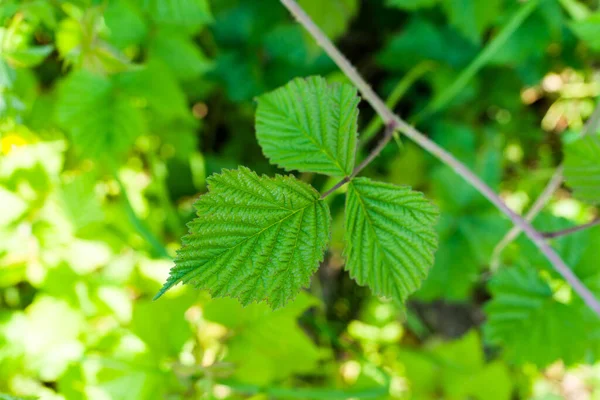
<point x="9" y="397"/>
<point x="187" y="15"/>
<point x="465" y="374"/>
<point x="588" y="30"/>
<point x="582" y="168"/>
<point x="183" y="57"/>
<point x="29" y="57"/>
<point x="78" y="200"/>
<point x="390" y="237"/>
<point x="47" y="334"/>
<point x="531" y="322"/>
<point x="411" y="4"/>
<point x="75" y="44"/>
<point x="255" y="238"/>
<point x="154" y="84"/>
<point x="266" y="346"/>
<point x="115" y="378"/>
<point x="455" y="370"/>
<point x="125" y="23"/>
<point x="169" y="312"/>
<point x="521" y="37"/>
<point x="467" y="241"/>
<point x="13" y="207"/>
<point x="422" y="40"/>
<point x="472" y="17"/>
<point x="309" y="126"/>
<point x="332" y="16"/>
<point x="100" y="119"/>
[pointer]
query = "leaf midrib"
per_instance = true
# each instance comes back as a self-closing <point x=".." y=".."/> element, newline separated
<point x="191" y="274"/>
<point x="376" y="238"/>
<point x="297" y="125"/>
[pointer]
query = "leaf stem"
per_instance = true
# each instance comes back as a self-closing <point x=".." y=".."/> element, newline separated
<point x="159" y="172"/>
<point x="139" y="225"/>
<point x="336" y="187"/>
<point x="564" y="232"/>
<point x="538" y="206"/>
<point x="593" y="123"/>
<point x="444" y="156"/>
<point x="390" y="129"/>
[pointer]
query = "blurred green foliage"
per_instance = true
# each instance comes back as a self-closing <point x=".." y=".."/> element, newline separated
<point x="114" y="112"/>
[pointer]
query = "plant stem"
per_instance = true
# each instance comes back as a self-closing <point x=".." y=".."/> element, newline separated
<point x="444" y="156"/>
<point x="305" y="393"/>
<point x="479" y="62"/>
<point x="159" y="173"/>
<point x="139" y="225"/>
<point x="593" y="123"/>
<point x="574" y="229"/>
<point x="390" y="129"/>
<point x="590" y="127"/>
<point x="336" y="187"/>
<point x="537" y="207"/>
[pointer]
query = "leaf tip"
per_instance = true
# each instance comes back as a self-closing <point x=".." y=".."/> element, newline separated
<point x="168" y="285"/>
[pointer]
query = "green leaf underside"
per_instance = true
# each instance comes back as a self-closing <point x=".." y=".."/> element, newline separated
<point x="309" y="126"/>
<point x="529" y="323"/>
<point x="582" y="168"/>
<point x="390" y="237"/>
<point x="255" y="238"/>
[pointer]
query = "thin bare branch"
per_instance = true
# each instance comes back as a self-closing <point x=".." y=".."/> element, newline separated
<point x="389" y="133"/>
<point x="593" y="123"/>
<point x="590" y="128"/>
<point x="574" y="229"/>
<point x="336" y="187"/>
<point x="537" y="207"/>
<point x="409" y="131"/>
<point x="390" y="128"/>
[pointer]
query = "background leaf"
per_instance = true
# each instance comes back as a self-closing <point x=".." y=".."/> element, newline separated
<point x="269" y="345"/>
<point x="411" y="4"/>
<point x="185" y="60"/>
<point x="189" y="15"/>
<point x="589" y="30"/>
<point x="101" y="121"/>
<point x="523" y="302"/>
<point x="332" y="16"/>
<point x="582" y="168"/>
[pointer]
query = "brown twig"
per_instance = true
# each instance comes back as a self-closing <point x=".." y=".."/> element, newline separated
<point x="590" y="128"/>
<point x="568" y="231"/>
<point x="390" y="128"/>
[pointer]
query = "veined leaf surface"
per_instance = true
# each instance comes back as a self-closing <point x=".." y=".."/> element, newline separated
<point x="390" y="237"/>
<point x="531" y="322"/>
<point x="255" y="238"/>
<point x="309" y="126"/>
